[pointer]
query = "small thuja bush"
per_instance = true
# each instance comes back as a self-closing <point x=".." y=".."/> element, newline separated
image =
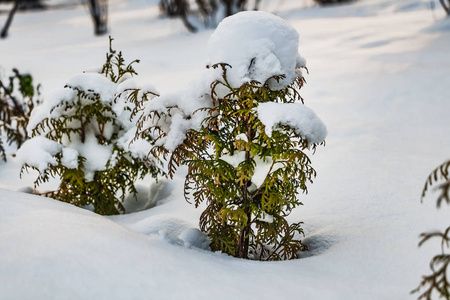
<point x="83" y="136"/>
<point x="245" y="215"/>
<point x="248" y="172"/>
<point x="18" y="96"/>
<point x="242" y="131"/>
<point x="438" y="280"/>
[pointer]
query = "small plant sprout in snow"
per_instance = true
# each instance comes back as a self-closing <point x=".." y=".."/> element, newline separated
<point x="438" y="281"/>
<point x="83" y="133"/>
<point x="242" y="130"/>
<point x="18" y="96"/>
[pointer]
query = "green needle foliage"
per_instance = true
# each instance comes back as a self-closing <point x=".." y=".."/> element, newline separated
<point x="17" y="99"/>
<point x="438" y="280"/>
<point x="242" y="218"/>
<point x="85" y="117"/>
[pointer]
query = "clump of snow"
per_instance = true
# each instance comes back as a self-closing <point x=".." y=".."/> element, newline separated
<point x="127" y="85"/>
<point x="302" y="119"/>
<point x="39" y="152"/>
<point x="181" y="110"/>
<point x="96" y="155"/>
<point x="257" y="45"/>
<point x="138" y="148"/>
<point x="266" y="218"/>
<point x="242" y="137"/>
<point x="70" y="158"/>
<point x="95" y="82"/>
<point x="48" y="108"/>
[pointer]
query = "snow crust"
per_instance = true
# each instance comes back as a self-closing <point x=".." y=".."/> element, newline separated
<point x="296" y="115"/>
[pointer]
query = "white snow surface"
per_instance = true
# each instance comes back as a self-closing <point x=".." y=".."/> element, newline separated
<point x="296" y="115"/>
<point x="379" y="77"/>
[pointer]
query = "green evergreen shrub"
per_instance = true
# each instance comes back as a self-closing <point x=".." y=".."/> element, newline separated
<point x="18" y="96"/>
<point x="245" y="215"/>
<point x="438" y="280"/>
<point x="87" y="133"/>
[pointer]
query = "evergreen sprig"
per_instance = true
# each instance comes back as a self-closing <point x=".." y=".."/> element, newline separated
<point x="17" y="99"/>
<point x="115" y="67"/>
<point x="438" y="280"/>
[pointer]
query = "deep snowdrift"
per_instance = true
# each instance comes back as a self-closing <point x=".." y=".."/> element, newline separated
<point x="378" y="79"/>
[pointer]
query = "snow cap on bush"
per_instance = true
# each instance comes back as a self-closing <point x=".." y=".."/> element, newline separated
<point x="299" y="117"/>
<point x="39" y="152"/>
<point x="257" y="45"/>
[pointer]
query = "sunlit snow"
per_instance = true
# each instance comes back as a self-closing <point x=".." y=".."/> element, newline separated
<point x="378" y="78"/>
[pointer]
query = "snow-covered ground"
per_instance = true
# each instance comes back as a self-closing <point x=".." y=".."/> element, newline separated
<point x="379" y="79"/>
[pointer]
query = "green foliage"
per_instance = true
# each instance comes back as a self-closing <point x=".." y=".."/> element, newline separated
<point x="17" y="98"/>
<point x="438" y="280"/>
<point x="86" y="117"/>
<point x="115" y="68"/>
<point x="441" y="173"/>
<point x="241" y="218"/>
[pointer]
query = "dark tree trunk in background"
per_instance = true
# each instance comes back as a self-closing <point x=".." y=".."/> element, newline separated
<point x="98" y="10"/>
<point x="99" y="14"/>
<point x="331" y="2"/>
<point x="446" y="6"/>
<point x="178" y="8"/>
<point x="207" y="9"/>
<point x="4" y="33"/>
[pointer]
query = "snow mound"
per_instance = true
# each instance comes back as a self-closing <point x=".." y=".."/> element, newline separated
<point x="257" y="45"/>
<point x="192" y="237"/>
